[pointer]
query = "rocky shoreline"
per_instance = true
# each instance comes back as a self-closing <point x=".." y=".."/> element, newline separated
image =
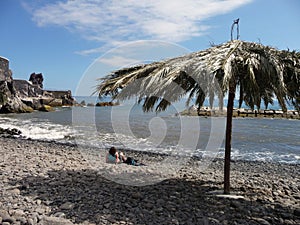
<point x="51" y="183"/>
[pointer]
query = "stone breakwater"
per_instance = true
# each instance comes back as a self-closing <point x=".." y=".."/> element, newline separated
<point x="241" y="112"/>
<point x="49" y="183"/>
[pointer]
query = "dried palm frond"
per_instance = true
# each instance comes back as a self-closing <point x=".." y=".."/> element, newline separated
<point x="261" y="72"/>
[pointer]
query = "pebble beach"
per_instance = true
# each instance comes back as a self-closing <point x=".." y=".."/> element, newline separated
<point x="50" y="183"/>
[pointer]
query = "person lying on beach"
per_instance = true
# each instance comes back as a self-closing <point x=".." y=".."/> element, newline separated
<point x="113" y="156"/>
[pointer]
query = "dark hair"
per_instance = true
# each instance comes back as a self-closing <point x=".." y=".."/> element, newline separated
<point x="112" y="151"/>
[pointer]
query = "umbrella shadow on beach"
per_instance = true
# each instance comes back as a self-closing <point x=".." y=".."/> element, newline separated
<point x="85" y="197"/>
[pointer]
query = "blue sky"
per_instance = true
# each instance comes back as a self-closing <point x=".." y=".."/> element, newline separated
<point x="64" y="39"/>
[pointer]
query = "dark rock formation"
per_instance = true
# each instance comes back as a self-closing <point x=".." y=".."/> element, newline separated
<point x="107" y="103"/>
<point x="19" y="96"/>
<point x="15" y="105"/>
<point x="65" y="97"/>
<point x="4" y="92"/>
<point x="9" y="132"/>
<point x="37" y="79"/>
<point x="9" y="100"/>
<point x="26" y="89"/>
<point x="6" y="82"/>
<point x="34" y="103"/>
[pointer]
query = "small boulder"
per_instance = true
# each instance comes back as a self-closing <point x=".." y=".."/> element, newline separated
<point x="50" y="220"/>
<point x="46" y="108"/>
<point x="67" y="206"/>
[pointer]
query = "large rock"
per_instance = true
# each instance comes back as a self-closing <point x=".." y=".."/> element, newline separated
<point x="6" y="82"/>
<point x="56" y="103"/>
<point x="4" y="92"/>
<point x="51" y="220"/>
<point x="46" y="108"/>
<point x="27" y="89"/>
<point x="37" y="78"/>
<point x="66" y="96"/>
<point x="15" y="105"/>
<point x="34" y="103"/>
<point x="9" y="101"/>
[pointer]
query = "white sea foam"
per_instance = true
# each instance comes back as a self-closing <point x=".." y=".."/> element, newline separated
<point x="38" y="129"/>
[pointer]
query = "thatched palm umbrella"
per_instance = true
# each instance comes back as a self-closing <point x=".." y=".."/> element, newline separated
<point x="260" y="72"/>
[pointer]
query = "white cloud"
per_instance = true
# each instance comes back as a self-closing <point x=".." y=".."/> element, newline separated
<point x="119" y="61"/>
<point x="140" y="52"/>
<point x="113" y="21"/>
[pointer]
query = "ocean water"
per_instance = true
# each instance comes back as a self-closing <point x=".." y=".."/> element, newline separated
<point x="128" y="127"/>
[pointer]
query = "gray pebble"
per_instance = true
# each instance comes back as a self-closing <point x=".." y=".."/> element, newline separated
<point x="66" y="206"/>
<point x="55" y="180"/>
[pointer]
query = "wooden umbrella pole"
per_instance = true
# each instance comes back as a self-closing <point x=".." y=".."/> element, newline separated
<point x="230" y="104"/>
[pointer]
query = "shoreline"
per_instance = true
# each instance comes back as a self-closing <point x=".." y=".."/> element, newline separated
<point x="135" y="153"/>
<point x="52" y="183"/>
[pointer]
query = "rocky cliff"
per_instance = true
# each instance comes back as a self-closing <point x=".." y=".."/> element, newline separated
<point x="6" y="87"/>
<point x="9" y="99"/>
<point x="18" y="96"/>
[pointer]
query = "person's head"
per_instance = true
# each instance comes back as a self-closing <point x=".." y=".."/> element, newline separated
<point x="112" y="151"/>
